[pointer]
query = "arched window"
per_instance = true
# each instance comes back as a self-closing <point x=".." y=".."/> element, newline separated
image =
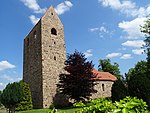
<point x="103" y="87"/>
<point x="53" y="31"/>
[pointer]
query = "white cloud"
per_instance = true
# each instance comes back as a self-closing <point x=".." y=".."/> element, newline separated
<point x="126" y="56"/>
<point x="63" y="7"/>
<point x="6" y="77"/>
<point x="134" y="43"/>
<point x="33" y="19"/>
<point x="94" y="29"/>
<point x="126" y="7"/>
<point x="132" y="28"/>
<point x="88" y="53"/>
<point x="9" y="78"/>
<point x="112" y="55"/>
<point x="103" y="29"/>
<point x="138" y="51"/>
<point x="2" y="86"/>
<point x="33" y="5"/>
<point x="6" y="65"/>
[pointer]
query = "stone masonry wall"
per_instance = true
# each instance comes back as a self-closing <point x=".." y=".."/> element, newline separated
<point x="103" y="88"/>
<point x="53" y="55"/>
<point x="32" y="66"/>
<point x="44" y="56"/>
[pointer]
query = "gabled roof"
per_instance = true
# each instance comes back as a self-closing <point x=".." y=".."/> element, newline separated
<point x="104" y="76"/>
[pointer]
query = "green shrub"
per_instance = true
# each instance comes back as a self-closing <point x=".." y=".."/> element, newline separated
<point x="26" y="102"/>
<point x="79" y="104"/>
<point x="100" y="105"/>
<point x="127" y="105"/>
<point x="131" y="105"/>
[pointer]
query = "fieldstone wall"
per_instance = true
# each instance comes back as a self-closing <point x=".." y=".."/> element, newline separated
<point x="44" y="56"/>
<point x="103" y="89"/>
<point x="53" y="54"/>
<point x="32" y="65"/>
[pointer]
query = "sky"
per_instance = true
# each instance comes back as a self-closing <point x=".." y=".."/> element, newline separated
<point x="100" y="29"/>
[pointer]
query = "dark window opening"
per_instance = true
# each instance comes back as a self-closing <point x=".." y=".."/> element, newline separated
<point x="54" y="57"/>
<point x="53" y="31"/>
<point x="35" y="36"/>
<point x="54" y="42"/>
<point x="27" y="41"/>
<point x="51" y="13"/>
<point x="103" y="87"/>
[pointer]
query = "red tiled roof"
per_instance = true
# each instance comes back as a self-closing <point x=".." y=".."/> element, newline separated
<point x="103" y="75"/>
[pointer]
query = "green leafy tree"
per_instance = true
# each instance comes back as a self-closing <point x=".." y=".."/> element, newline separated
<point x="146" y="30"/>
<point x="26" y="102"/>
<point x="77" y="83"/>
<point x="138" y="82"/>
<point x="0" y="98"/>
<point x="119" y="90"/>
<point x="139" y="70"/>
<point x="11" y="96"/>
<point x="106" y="66"/>
<point x="138" y="86"/>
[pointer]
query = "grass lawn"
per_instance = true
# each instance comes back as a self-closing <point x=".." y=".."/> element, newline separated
<point x="67" y="110"/>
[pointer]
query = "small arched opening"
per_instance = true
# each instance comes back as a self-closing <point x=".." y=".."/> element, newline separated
<point x="53" y="31"/>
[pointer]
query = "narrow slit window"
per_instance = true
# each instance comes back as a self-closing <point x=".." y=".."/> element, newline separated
<point x="53" y="31"/>
<point x="35" y="35"/>
<point x="103" y="87"/>
<point x="27" y="41"/>
<point x="54" y="57"/>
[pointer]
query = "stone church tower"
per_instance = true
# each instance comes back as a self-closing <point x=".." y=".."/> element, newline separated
<point x="44" y="56"/>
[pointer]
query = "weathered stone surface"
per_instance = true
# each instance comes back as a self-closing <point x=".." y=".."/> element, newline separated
<point x="44" y="56"/>
<point x="103" y="89"/>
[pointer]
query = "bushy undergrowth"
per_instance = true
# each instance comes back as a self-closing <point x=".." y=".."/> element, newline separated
<point x="126" y="105"/>
<point x="102" y="105"/>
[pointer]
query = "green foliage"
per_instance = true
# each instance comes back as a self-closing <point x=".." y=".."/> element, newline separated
<point x="119" y="90"/>
<point x="0" y="98"/>
<point x="11" y="96"/>
<point x="127" y="105"/>
<point x="139" y="86"/>
<point x="139" y="70"/>
<point x="131" y="105"/>
<point x="138" y="82"/>
<point x="79" y="104"/>
<point x="77" y="83"/>
<point x="97" y="106"/>
<point x="106" y="66"/>
<point x="26" y="102"/>
<point x="146" y="30"/>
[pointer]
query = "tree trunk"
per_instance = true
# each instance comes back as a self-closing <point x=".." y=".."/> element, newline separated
<point x="13" y="109"/>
